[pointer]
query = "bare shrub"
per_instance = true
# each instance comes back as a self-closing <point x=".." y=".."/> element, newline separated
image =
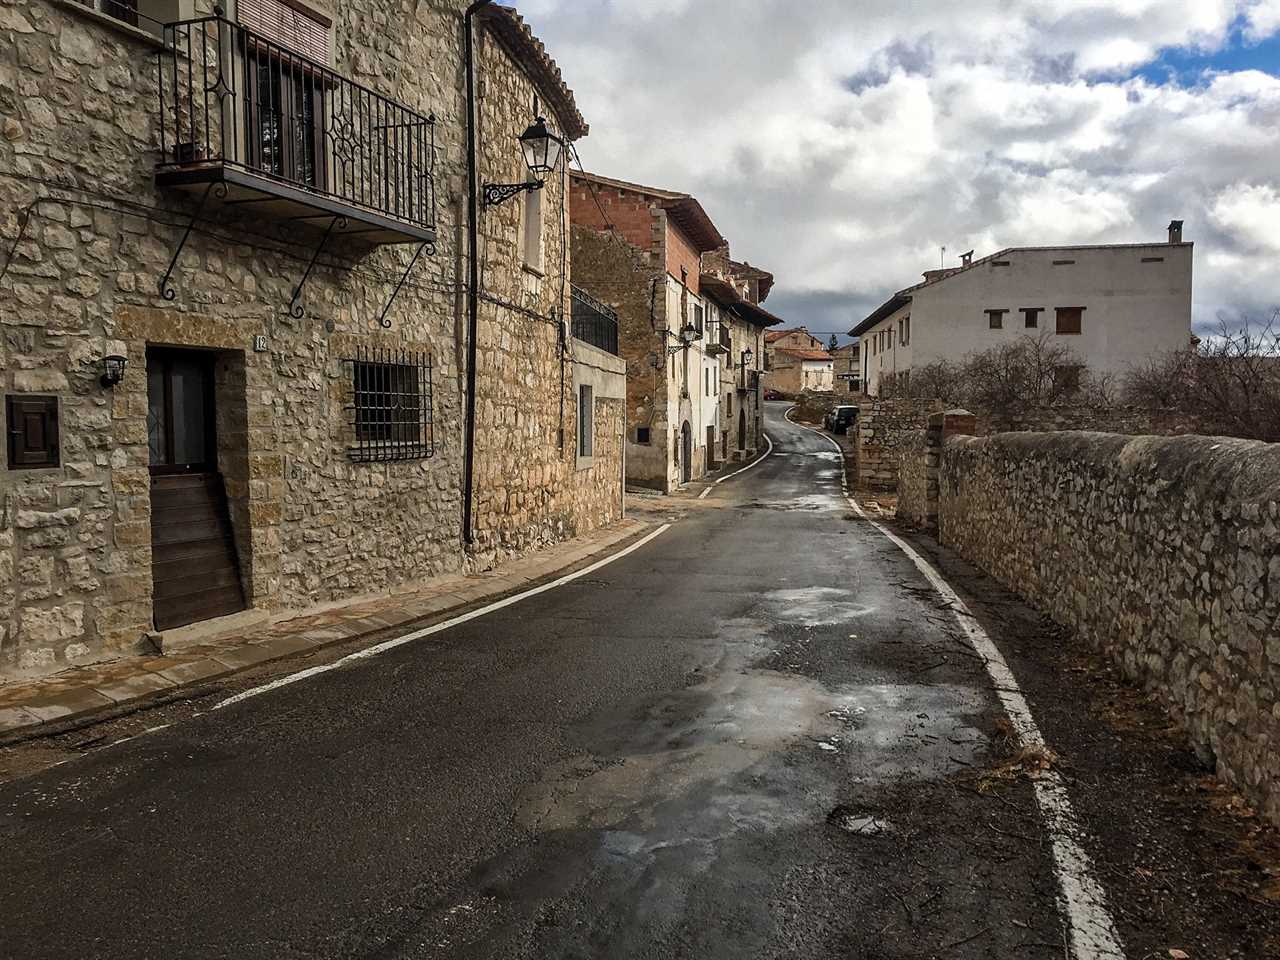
<point x="1029" y="372"/>
<point x="1230" y="382"/>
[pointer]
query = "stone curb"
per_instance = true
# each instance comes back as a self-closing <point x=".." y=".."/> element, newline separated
<point x="125" y="686"/>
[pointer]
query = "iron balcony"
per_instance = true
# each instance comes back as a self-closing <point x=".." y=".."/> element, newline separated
<point x="284" y="137"/>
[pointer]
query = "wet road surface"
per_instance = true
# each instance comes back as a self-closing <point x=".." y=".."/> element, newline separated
<point x="757" y="736"/>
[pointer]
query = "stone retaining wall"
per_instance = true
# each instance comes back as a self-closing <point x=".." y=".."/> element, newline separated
<point x="888" y="431"/>
<point x="1162" y="552"/>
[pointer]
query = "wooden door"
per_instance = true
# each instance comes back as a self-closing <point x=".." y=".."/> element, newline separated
<point x="195" y="571"/>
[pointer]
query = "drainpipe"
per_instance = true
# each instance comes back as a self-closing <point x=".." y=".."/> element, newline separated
<point x="473" y="268"/>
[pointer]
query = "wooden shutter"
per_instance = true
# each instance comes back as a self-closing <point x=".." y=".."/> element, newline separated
<point x="1070" y="320"/>
<point x="288" y="25"/>
<point x="32" y="423"/>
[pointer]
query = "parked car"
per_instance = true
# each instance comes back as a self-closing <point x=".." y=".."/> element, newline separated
<point x="840" y="419"/>
<point x="773" y="395"/>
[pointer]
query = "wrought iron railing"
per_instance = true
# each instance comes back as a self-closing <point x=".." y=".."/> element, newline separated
<point x="233" y="97"/>
<point x="593" y="322"/>
<point x="390" y="406"/>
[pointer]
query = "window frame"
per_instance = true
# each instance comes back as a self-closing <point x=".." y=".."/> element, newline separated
<point x="995" y="318"/>
<point x="586" y="424"/>
<point x="379" y="381"/>
<point x="1061" y="312"/>
<point x="52" y="448"/>
<point x="1031" y="317"/>
<point x="531" y="228"/>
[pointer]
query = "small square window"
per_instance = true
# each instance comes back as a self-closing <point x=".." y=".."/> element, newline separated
<point x="32" y="424"/>
<point x="643" y="435"/>
<point x="1031" y="317"/>
<point x="995" y="318"/>
<point x="1070" y="320"/>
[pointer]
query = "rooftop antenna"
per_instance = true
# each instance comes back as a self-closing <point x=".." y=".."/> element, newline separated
<point x="942" y="259"/>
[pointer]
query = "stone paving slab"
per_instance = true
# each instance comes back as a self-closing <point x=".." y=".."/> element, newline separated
<point x="81" y="692"/>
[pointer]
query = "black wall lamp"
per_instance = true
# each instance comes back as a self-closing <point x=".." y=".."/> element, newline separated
<point x="685" y="339"/>
<point x="541" y="149"/>
<point x="747" y="357"/>
<point x="113" y="369"/>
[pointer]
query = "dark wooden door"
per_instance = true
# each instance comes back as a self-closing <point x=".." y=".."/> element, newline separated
<point x="195" y="571"/>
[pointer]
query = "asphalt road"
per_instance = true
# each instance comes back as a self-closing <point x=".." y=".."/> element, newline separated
<point x="749" y="738"/>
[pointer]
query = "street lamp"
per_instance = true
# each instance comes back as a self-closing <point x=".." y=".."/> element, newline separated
<point x="113" y="369"/>
<point x="684" y="340"/>
<point x="541" y="149"/>
<point x="747" y="356"/>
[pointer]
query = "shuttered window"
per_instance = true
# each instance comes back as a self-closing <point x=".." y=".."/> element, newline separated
<point x="32" y="424"/>
<point x="289" y="26"/>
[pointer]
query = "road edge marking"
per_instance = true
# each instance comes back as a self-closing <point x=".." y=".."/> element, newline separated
<point x="754" y="463"/>
<point x="392" y="644"/>
<point x="1092" y="930"/>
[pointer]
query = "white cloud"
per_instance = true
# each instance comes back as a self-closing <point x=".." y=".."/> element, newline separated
<point x="1262" y="19"/>
<point x="842" y="146"/>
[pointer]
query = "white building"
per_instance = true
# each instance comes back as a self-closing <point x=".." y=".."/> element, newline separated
<point x="1115" y="306"/>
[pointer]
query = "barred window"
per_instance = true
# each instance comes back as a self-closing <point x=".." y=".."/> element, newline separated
<point x="391" y="409"/>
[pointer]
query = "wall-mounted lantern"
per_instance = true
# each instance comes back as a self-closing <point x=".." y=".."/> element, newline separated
<point x="113" y="369"/>
<point x="747" y="357"/>
<point x="541" y="149"/>
<point x="687" y="337"/>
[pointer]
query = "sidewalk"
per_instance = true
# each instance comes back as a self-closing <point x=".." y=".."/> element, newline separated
<point x="31" y="708"/>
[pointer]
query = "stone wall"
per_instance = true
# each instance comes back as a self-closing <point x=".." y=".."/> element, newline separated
<point x="1132" y="421"/>
<point x="1162" y="552"/>
<point x="888" y="430"/>
<point x="627" y="279"/>
<point x="916" y="453"/>
<point x="78" y="107"/>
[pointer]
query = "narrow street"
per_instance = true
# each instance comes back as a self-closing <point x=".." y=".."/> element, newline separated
<point x="741" y="740"/>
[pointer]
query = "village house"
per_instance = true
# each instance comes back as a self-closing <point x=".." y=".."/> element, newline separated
<point x="733" y="292"/>
<point x="1114" y="305"/>
<point x="639" y="251"/>
<point x="847" y="363"/>
<point x="234" y="356"/>
<point x="796" y="361"/>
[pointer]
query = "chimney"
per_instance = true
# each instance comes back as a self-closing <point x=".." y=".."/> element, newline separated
<point x="1175" y="231"/>
<point x="967" y="258"/>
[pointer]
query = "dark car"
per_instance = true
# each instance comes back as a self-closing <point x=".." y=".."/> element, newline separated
<point x="840" y="419"/>
<point x="773" y="395"/>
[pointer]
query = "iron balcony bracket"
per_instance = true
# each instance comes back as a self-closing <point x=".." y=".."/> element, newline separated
<point x="166" y="289"/>
<point x="426" y="245"/>
<point x="496" y="193"/>
<point x="295" y="306"/>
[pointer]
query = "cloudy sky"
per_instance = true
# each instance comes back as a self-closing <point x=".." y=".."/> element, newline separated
<point x="841" y="143"/>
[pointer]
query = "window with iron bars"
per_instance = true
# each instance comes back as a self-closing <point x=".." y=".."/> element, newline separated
<point x="391" y="406"/>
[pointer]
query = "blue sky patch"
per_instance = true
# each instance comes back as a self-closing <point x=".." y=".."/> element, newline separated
<point x="1185" y="66"/>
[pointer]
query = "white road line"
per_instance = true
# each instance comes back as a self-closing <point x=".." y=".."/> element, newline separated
<point x="1093" y="932"/>
<point x="754" y="463"/>
<point x="387" y="645"/>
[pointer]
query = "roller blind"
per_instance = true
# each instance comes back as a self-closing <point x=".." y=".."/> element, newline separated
<point x="287" y="26"/>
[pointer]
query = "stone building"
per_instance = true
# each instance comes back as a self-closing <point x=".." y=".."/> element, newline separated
<point x="733" y="292"/>
<point x="796" y="361"/>
<point x="639" y="250"/>
<point x="847" y="359"/>
<point x="1115" y="306"/>
<point x="261" y="214"/>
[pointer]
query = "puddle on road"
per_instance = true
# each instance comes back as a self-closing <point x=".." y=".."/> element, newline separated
<point x="813" y="606"/>
<point x="712" y="732"/>
<point x="813" y="503"/>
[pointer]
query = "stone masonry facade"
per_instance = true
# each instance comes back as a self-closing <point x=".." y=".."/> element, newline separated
<point x="1162" y="552"/>
<point x="93" y="234"/>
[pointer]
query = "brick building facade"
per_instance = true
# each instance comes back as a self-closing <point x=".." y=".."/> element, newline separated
<point x="639" y="249"/>
<point x="275" y="249"/>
